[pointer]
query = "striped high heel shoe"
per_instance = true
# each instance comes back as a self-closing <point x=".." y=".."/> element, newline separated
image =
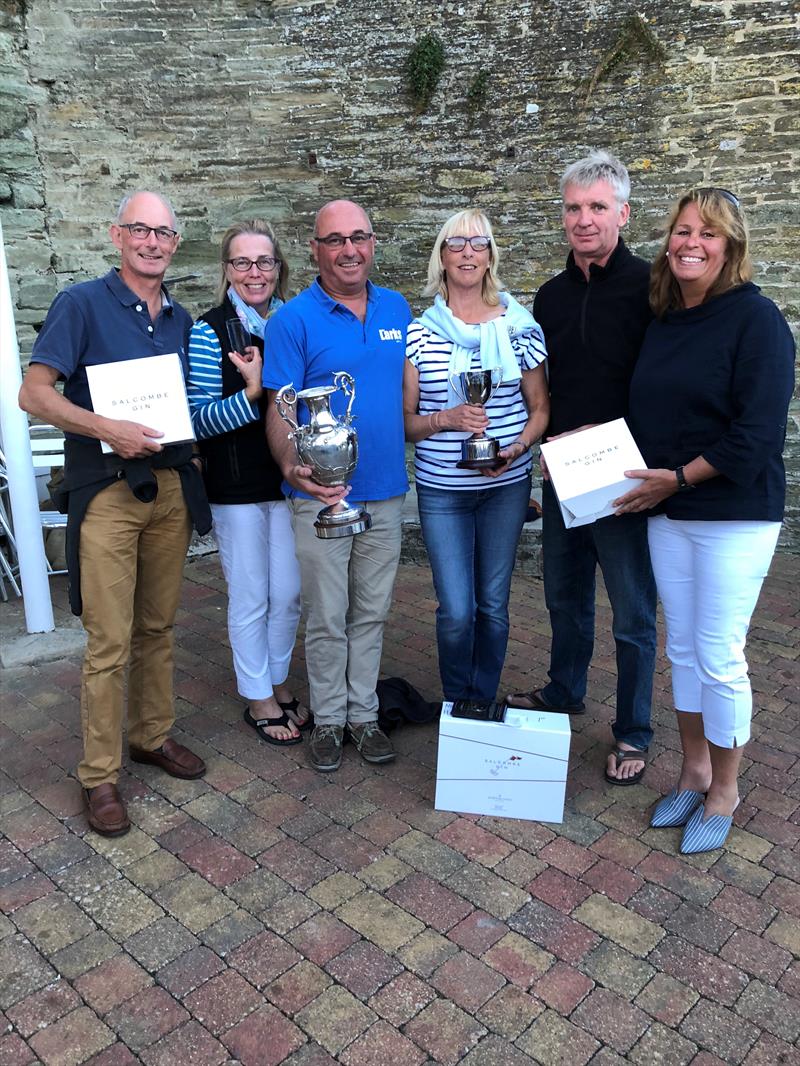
<point x="706" y="834"/>
<point x="676" y="808"/>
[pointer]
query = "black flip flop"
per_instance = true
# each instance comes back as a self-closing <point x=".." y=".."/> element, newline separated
<point x="292" y="706"/>
<point x="534" y="701"/>
<point x="622" y="755"/>
<point x="260" y="724"/>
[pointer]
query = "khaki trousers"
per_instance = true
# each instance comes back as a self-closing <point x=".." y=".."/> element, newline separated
<point x="347" y="591"/>
<point x="131" y="556"/>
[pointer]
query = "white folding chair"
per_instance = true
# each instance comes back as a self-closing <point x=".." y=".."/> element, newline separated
<point x="9" y="561"/>
<point x="47" y="448"/>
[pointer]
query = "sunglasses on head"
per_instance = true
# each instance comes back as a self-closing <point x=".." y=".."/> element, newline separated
<point x="726" y="194"/>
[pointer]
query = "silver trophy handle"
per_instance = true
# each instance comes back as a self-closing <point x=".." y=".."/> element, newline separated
<point x="455" y="384"/>
<point x="497" y="380"/>
<point x="342" y="380"/>
<point x="283" y="397"/>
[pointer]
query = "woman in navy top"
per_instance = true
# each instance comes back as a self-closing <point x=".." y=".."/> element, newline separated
<point x="709" y="403"/>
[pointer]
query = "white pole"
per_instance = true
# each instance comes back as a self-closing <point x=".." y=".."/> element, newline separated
<point x="21" y="478"/>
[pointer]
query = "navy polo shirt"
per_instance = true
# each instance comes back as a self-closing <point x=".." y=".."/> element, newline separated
<point x="103" y="321"/>
<point x="311" y="337"/>
<point x="716" y="380"/>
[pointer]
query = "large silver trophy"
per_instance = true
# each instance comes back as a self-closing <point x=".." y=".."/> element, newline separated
<point x="328" y="445"/>
<point x="478" y="452"/>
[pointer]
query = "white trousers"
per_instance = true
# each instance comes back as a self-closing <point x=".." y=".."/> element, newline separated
<point x="256" y="548"/>
<point x="347" y="593"/>
<point x="709" y="576"/>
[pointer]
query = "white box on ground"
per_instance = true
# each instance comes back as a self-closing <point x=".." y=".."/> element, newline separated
<point x="511" y="769"/>
<point x="586" y="470"/>
<point x="150" y="391"/>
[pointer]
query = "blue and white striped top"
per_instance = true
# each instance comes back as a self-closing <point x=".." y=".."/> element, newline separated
<point x="435" y="457"/>
<point x="211" y="414"/>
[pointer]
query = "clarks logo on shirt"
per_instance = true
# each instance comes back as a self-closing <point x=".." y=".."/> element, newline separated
<point x="390" y="334"/>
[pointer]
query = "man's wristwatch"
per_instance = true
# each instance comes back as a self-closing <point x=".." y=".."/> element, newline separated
<point x="683" y="484"/>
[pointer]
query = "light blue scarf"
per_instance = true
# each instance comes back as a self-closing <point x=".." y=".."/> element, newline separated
<point x="493" y="338"/>
<point x="248" y="316"/>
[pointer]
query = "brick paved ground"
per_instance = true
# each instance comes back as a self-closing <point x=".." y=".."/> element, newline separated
<point x="268" y="914"/>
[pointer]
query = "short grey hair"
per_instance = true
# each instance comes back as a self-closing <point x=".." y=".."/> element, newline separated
<point x="126" y="199"/>
<point x="599" y="166"/>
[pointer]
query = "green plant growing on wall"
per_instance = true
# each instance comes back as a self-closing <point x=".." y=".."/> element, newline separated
<point x="635" y="41"/>
<point x="423" y="68"/>
<point x="477" y="91"/>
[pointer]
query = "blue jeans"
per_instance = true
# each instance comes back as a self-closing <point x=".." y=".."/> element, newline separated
<point x="471" y="536"/>
<point x="571" y="556"/>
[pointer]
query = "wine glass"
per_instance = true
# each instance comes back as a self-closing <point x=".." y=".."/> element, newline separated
<point x="238" y="335"/>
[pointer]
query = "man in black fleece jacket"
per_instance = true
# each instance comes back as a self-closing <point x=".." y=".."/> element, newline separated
<point x="594" y="315"/>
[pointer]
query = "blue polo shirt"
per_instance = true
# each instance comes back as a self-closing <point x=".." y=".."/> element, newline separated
<point x="102" y="321"/>
<point x="311" y="337"/>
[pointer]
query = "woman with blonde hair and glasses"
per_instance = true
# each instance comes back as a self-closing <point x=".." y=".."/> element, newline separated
<point x="708" y="408"/>
<point x="471" y="519"/>
<point x="251" y="519"/>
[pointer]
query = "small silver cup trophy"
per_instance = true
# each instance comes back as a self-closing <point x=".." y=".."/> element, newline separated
<point x="478" y="452"/>
<point x="330" y="447"/>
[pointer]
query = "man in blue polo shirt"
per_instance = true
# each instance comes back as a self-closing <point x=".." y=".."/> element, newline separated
<point x="129" y="512"/>
<point x="344" y="322"/>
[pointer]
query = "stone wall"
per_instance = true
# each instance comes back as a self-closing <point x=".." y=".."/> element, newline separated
<point x="245" y="107"/>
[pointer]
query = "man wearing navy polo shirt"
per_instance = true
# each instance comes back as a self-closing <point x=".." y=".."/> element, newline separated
<point x="129" y="523"/>
<point x="344" y="322"/>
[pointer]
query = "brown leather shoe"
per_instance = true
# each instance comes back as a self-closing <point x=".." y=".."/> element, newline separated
<point x="105" y="811"/>
<point x="173" y="758"/>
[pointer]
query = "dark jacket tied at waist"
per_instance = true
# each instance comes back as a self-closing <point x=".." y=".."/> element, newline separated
<point x="88" y="471"/>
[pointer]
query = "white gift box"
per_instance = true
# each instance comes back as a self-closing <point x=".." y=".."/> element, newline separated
<point x="587" y="470"/>
<point x="150" y="391"/>
<point x="511" y="769"/>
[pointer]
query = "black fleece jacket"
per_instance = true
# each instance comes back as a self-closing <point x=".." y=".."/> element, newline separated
<point x="594" y="330"/>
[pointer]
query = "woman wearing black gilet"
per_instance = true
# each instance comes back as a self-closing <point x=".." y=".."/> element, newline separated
<point x="251" y="520"/>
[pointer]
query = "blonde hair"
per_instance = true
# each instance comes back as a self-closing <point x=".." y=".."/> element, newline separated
<point x="258" y="227"/>
<point x="469" y="223"/>
<point x="720" y="210"/>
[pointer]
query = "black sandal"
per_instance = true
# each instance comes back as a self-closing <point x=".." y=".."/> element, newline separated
<point x="260" y="724"/>
<point x="623" y="755"/>
<point x="291" y="707"/>
<point x="534" y="701"/>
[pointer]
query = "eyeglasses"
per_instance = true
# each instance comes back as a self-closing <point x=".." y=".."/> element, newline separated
<point x="141" y="232"/>
<point x="336" y="240"/>
<point x="458" y="244"/>
<point x="264" y="262"/>
<point x="726" y="194"/>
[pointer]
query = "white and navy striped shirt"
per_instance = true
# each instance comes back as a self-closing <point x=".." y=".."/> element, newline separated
<point x="211" y="414"/>
<point x="436" y="457"/>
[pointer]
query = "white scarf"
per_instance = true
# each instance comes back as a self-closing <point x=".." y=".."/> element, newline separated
<point x="248" y="316"/>
<point x="492" y="339"/>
